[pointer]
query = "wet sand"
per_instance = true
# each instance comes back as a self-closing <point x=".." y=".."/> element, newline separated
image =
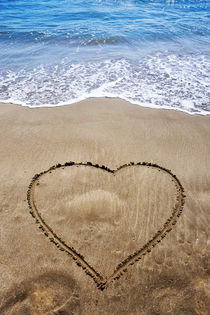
<point x="106" y="217"/>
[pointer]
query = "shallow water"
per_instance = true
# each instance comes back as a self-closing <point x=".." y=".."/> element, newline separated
<point x="152" y="53"/>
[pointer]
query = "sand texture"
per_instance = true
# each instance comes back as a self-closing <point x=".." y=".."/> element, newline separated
<point x="128" y="240"/>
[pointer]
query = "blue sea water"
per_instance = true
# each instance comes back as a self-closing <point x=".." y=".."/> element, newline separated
<point x="153" y="53"/>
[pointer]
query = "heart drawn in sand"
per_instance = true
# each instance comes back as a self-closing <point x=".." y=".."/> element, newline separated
<point x="101" y="281"/>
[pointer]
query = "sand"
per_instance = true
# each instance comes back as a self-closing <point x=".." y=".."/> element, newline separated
<point x="105" y="217"/>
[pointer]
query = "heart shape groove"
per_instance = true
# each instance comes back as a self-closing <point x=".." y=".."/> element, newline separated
<point x="121" y="268"/>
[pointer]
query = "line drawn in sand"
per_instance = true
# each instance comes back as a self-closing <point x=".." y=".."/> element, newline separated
<point x="121" y="268"/>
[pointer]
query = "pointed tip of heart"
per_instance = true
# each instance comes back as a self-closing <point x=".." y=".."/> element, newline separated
<point x="101" y="286"/>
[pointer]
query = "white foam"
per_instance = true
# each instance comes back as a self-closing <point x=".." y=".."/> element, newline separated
<point x="159" y="81"/>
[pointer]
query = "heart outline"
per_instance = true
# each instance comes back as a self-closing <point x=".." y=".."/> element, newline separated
<point x="121" y="268"/>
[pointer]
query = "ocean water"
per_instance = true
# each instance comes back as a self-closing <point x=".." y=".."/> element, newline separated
<point x="154" y="53"/>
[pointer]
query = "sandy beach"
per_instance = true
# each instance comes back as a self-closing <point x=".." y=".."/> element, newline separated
<point x="104" y="216"/>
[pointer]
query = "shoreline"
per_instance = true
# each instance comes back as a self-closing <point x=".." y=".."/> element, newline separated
<point x="105" y="216"/>
<point x="67" y="103"/>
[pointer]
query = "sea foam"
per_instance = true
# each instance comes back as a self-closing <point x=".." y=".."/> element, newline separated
<point x="162" y="80"/>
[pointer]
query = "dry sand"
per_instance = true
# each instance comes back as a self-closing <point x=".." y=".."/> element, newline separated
<point x="105" y="216"/>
